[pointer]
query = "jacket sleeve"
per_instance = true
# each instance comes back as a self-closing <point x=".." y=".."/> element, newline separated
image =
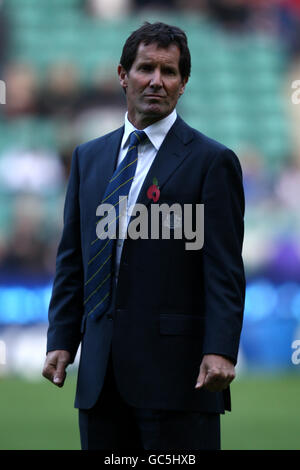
<point x="224" y="278"/>
<point x="66" y="304"/>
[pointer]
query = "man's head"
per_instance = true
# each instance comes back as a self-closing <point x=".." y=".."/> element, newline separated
<point x="154" y="69"/>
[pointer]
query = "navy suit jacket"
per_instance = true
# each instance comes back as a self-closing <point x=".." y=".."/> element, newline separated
<point x="172" y="305"/>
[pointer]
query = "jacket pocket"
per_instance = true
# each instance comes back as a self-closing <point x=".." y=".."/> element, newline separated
<point x="181" y="324"/>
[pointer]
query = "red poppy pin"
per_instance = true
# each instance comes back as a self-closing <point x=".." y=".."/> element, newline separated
<point x="153" y="191"/>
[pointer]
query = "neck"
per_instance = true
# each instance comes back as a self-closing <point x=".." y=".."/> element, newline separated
<point x="141" y="122"/>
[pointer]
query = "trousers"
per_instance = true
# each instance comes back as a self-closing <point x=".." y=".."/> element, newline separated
<point x="112" y="424"/>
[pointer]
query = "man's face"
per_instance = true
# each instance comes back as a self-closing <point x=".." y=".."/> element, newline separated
<point x="153" y="84"/>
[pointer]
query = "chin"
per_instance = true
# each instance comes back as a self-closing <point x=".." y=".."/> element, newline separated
<point x="155" y="110"/>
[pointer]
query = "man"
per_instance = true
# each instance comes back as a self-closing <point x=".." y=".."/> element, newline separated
<point x="159" y="324"/>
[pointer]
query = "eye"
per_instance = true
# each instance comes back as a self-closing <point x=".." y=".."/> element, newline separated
<point x="145" y="67"/>
<point x="170" y="71"/>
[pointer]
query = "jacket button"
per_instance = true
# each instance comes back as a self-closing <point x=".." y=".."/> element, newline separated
<point x="109" y="316"/>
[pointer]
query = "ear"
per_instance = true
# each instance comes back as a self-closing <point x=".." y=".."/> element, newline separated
<point x="182" y="88"/>
<point x="123" y="77"/>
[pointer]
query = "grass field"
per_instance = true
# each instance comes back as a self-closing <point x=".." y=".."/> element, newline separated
<point x="37" y="415"/>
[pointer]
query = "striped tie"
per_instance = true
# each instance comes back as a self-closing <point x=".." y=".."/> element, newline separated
<point x="99" y="274"/>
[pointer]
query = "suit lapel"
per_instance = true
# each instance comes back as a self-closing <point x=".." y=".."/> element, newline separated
<point x="107" y="162"/>
<point x="173" y="151"/>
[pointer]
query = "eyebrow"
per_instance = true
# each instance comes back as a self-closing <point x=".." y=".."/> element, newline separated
<point x="150" y="62"/>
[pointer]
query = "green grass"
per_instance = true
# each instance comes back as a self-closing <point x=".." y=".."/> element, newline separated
<point x="265" y="414"/>
<point x="37" y="415"/>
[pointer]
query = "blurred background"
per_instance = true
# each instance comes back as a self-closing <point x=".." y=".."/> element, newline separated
<point x="58" y="61"/>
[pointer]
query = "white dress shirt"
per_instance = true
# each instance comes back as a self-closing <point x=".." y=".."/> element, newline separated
<point x="147" y="151"/>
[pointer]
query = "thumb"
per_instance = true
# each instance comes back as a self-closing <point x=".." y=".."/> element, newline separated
<point x="201" y="376"/>
<point x="60" y="373"/>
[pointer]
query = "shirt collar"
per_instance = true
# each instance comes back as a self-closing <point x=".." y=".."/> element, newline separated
<point x="155" y="132"/>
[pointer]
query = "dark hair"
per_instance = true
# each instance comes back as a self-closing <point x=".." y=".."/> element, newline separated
<point x="163" y="35"/>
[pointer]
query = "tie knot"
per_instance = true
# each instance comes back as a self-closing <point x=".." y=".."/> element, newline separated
<point x="137" y="137"/>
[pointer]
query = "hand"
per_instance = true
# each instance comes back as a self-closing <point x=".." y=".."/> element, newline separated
<point x="55" y="366"/>
<point x="216" y="373"/>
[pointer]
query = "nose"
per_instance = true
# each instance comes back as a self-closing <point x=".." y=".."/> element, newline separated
<point x="156" y="79"/>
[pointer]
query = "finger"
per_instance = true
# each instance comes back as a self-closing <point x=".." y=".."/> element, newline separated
<point x="201" y="378"/>
<point x="213" y="380"/>
<point x="216" y="382"/>
<point x="60" y="373"/>
<point x="229" y="380"/>
<point x="49" y="371"/>
<point x="59" y="381"/>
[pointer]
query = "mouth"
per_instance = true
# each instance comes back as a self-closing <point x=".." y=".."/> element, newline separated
<point x="154" y="96"/>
